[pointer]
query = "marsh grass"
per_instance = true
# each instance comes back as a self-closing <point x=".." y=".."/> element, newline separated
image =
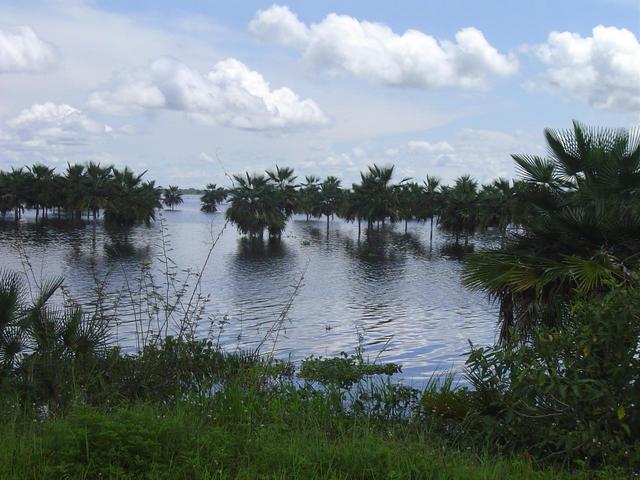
<point x="242" y="433"/>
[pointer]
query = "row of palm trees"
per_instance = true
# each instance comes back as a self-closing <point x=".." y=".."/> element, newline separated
<point x="264" y="202"/>
<point x="122" y="196"/>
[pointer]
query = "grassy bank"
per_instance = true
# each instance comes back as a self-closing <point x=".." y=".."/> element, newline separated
<point x="242" y="434"/>
<point x="181" y="411"/>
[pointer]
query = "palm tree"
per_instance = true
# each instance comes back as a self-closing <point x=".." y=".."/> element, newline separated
<point x="18" y="188"/>
<point x="172" y="197"/>
<point x="283" y="180"/>
<point x="430" y="202"/>
<point x="74" y="188"/>
<point x="409" y="195"/>
<point x="42" y="185"/>
<point x="460" y="208"/>
<point x="377" y="197"/>
<point x="131" y="200"/>
<point x="255" y="206"/>
<point x="6" y="202"/>
<point x="97" y="185"/>
<point x="212" y="196"/>
<point x="46" y="346"/>
<point x="581" y="234"/>
<point x="353" y="207"/>
<point x="308" y="196"/>
<point x="329" y="198"/>
<point x="499" y="205"/>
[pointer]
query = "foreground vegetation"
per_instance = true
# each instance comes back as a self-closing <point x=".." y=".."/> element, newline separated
<point x="240" y="436"/>
<point x="75" y="406"/>
<point x="582" y="232"/>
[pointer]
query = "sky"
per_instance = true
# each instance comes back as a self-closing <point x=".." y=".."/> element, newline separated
<point x="194" y="91"/>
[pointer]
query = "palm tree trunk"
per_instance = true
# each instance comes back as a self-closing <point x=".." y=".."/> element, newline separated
<point x="431" y="232"/>
<point x="405" y="226"/>
<point x="359" y="220"/>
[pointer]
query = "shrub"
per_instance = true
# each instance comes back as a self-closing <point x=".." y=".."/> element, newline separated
<point x="343" y="371"/>
<point x="572" y="393"/>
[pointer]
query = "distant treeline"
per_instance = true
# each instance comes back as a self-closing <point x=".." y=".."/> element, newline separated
<point x="122" y="196"/>
<point x="191" y="191"/>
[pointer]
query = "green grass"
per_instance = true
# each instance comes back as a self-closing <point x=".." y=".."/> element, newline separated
<point x="240" y="434"/>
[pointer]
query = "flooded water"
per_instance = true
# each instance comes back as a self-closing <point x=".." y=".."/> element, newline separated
<point x="395" y="296"/>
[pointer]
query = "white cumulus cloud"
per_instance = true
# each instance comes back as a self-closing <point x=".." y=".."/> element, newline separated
<point x="230" y="94"/>
<point x="49" y="124"/>
<point x="24" y="51"/>
<point x="371" y="50"/>
<point x="603" y="69"/>
<point x="280" y="25"/>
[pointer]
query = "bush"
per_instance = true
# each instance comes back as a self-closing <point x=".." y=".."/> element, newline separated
<point x="572" y="393"/>
<point x="174" y="368"/>
<point x="343" y="371"/>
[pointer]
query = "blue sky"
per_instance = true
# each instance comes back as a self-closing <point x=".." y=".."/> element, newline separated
<point x="185" y="89"/>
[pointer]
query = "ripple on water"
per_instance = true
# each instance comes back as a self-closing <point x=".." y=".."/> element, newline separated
<point x="394" y="295"/>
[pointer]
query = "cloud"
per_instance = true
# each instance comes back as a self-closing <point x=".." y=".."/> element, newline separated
<point x="48" y="124"/>
<point x="230" y="94"/>
<point x="423" y="146"/>
<point x="603" y="69"/>
<point x="369" y="50"/>
<point x="24" y="51"/>
<point x="280" y="25"/>
<point x="483" y="153"/>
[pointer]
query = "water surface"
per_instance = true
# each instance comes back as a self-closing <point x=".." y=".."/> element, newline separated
<point x="394" y="295"/>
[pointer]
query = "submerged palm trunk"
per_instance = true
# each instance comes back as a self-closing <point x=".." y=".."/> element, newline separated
<point x="431" y="232"/>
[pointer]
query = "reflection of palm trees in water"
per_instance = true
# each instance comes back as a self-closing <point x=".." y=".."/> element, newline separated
<point x="257" y="248"/>
<point x="259" y="275"/>
<point x="377" y="265"/>
<point x="386" y="244"/>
